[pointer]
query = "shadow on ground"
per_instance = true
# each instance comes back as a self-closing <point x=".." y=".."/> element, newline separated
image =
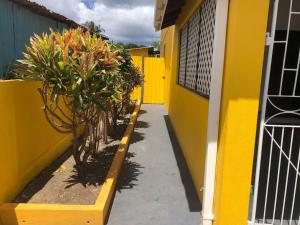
<point x="131" y="170"/>
<point x="99" y="165"/>
<point x="190" y="191"/>
<point x="142" y="111"/>
<point x="129" y="173"/>
<point x="96" y="168"/>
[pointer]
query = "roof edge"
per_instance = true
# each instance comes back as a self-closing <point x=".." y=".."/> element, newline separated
<point x="166" y="13"/>
<point x="42" y="10"/>
<point x="139" y="48"/>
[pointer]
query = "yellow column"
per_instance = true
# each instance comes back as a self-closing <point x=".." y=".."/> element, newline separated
<point x="247" y="23"/>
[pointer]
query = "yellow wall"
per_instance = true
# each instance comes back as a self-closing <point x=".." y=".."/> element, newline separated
<point x="27" y="142"/>
<point x="187" y="110"/>
<point x="137" y="61"/>
<point x="239" y="108"/>
<point x="139" y="52"/>
<point x="247" y="25"/>
<point x="167" y="38"/>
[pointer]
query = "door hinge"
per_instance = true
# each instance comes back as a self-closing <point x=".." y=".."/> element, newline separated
<point x="269" y="39"/>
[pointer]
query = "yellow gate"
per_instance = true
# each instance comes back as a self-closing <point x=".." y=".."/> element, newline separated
<point x="153" y="70"/>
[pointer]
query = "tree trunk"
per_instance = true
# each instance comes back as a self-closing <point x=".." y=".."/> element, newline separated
<point x="76" y="155"/>
<point x="106" y="121"/>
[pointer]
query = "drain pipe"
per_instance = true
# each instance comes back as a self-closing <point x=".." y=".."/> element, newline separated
<point x="214" y="110"/>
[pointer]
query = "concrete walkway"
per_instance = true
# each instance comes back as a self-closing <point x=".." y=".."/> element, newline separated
<point x="155" y="187"/>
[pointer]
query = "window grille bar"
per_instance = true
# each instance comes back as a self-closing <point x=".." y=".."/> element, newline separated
<point x="287" y="176"/>
<point x="198" y="64"/>
<point x="280" y="42"/>
<point x="289" y="69"/>
<point x="285" y="155"/>
<point x="198" y="49"/>
<point x="286" y="46"/>
<point x="282" y="126"/>
<point x="297" y="74"/>
<point x="182" y="55"/>
<point x="262" y="125"/>
<point x="186" y="51"/>
<point x="269" y="171"/>
<point x="295" y="189"/>
<point x="285" y="96"/>
<point x="279" y="199"/>
<point x="180" y="63"/>
<point x="278" y="176"/>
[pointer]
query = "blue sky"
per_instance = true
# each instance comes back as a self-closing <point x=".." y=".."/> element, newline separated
<point x="123" y="20"/>
<point x="89" y="3"/>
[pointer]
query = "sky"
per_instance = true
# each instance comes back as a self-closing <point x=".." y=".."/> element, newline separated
<point x="123" y="20"/>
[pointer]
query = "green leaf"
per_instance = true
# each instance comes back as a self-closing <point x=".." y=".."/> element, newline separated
<point x="80" y="100"/>
<point x="61" y="65"/>
<point x="74" y="86"/>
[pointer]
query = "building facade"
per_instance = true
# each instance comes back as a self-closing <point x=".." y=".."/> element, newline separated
<point x="232" y="94"/>
<point x="20" y="19"/>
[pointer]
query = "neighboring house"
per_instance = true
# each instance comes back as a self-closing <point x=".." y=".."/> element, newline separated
<point x="143" y="51"/>
<point x="20" y="19"/>
<point x="233" y="97"/>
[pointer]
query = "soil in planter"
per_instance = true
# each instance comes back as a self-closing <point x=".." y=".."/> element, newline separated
<point x="59" y="183"/>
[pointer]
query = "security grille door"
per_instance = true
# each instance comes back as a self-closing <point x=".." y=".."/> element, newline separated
<point x="277" y="179"/>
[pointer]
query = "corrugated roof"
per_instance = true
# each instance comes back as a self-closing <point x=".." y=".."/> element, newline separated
<point x="36" y="8"/>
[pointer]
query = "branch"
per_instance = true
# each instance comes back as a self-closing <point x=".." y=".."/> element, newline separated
<point x="48" y="111"/>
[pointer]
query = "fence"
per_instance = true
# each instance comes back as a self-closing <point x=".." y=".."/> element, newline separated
<point x="153" y="69"/>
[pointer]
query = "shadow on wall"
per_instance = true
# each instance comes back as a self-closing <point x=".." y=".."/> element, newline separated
<point x="190" y="191"/>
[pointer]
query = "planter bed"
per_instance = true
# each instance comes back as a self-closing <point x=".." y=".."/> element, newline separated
<point x="57" y="196"/>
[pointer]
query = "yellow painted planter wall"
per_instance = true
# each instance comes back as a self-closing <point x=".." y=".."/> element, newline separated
<point x="27" y="142"/>
<point x="239" y="109"/>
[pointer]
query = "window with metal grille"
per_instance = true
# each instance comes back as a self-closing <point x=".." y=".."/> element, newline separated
<point x="196" y="49"/>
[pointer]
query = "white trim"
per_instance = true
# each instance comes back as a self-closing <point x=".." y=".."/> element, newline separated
<point x="214" y="109"/>
<point x="250" y="223"/>
<point x="160" y="9"/>
<point x="165" y="3"/>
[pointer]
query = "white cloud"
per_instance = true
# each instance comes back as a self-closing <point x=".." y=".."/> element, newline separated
<point x="126" y="23"/>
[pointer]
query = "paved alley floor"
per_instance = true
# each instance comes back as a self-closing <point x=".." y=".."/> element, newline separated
<point x="155" y="187"/>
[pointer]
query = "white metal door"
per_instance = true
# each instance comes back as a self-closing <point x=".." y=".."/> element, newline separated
<point x="276" y="197"/>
